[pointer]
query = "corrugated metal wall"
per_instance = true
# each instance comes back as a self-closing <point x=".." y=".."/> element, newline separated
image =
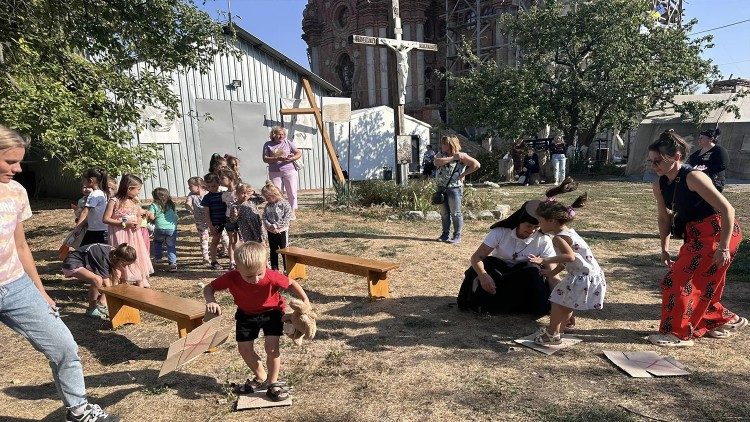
<point x="264" y="80"/>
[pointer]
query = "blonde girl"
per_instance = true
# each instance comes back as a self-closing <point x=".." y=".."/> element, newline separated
<point x="276" y="218"/>
<point x="123" y="215"/>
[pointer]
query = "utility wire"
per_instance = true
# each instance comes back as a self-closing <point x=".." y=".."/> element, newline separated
<point x="720" y="27"/>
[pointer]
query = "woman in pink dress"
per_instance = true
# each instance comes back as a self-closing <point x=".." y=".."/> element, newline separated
<point x="123" y="215"/>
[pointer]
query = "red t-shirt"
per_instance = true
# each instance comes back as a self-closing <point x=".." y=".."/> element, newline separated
<point x="254" y="298"/>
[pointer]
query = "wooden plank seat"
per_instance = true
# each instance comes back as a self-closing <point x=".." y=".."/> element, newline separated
<point x="125" y="301"/>
<point x="375" y="271"/>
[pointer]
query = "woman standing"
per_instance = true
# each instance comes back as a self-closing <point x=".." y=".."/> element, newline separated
<point x="692" y="287"/>
<point x="557" y="154"/>
<point x="280" y="154"/>
<point x="25" y="306"/>
<point x="452" y="167"/>
<point x="711" y="159"/>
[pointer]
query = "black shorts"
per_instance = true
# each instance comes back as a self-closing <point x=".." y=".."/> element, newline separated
<point x="249" y="326"/>
<point x="94" y="237"/>
<point x="231" y="227"/>
<point x="219" y="227"/>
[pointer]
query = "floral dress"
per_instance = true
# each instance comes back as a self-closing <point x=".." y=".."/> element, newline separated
<point x="584" y="286"/>
<point x="139" y="270"/>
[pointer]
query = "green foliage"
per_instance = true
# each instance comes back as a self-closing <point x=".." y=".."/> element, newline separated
<point x="415" y="195"/>
<point x="75" y="75"/>
<point x="489" y="170"/>
<point x="601" y="64"/>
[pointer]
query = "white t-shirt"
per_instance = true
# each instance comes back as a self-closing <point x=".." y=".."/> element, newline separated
<point x="14" y="208"/>
<point x="508" y="247"/>
<point x="97" y="204"/>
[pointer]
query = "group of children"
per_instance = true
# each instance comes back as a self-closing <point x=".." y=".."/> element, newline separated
<point x="113" y="232"/>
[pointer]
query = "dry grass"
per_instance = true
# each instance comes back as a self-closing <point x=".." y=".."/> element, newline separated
<point x="412" y="357"/>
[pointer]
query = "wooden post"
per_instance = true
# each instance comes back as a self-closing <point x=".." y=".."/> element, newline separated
<point x="184" y="326"/>
<point x="377" y="285"/>
<point x="295" y="270"/>
<point x="121" y="314"/>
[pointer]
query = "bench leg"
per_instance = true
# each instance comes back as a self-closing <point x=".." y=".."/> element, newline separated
<point x="295" y="270"/>
<point x="377" y="285"/>
<point x="185" y="326"/>
<point x="121" y="314"/>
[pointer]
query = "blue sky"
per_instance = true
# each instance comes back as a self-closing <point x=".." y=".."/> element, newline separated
<point x="279" y="24"/>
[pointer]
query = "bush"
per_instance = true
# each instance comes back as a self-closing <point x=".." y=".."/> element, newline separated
<point x="489" y="169"/>
<point x="415" y="195"/>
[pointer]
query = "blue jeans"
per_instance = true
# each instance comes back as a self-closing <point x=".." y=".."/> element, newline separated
<point x="169" y="237"/>
<point x="450" y="211"/>
<point x="558" y="163"/>
<point x="23" y="309"/>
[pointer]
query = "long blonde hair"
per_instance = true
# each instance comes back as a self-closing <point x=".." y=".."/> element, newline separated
<point x="453" y="142"/>
<point x="9" y="138"/>
<point x="270" y="189"/>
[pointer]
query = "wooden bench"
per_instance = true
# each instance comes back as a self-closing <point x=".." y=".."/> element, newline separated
<point x="124" y="302"/>
<point x="375" y="271"/>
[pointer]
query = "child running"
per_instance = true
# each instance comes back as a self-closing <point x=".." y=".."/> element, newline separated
<point x="255" y="290"/>
<point x="215" y="213"/>
<point x="162" y="212"/>
<point x="96" y="204"/>
<point x="249" y="223"/>
<point x="584" y="286"/>
<point x="123" y="215"/>
<point x="197" y="188"/>
<point x="276" y="218"/>
<point x="100" y="265"/>
<point x="228" y="179"/>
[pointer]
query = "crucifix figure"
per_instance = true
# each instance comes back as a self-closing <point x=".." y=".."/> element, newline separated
<point x="401" y="49"/>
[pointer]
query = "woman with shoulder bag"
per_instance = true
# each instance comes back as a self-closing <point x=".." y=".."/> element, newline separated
<point x="452" y="166"/>
<point x="694" y="283"/>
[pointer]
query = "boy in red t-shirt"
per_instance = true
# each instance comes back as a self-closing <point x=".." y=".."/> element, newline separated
<point x="255" y="290"/>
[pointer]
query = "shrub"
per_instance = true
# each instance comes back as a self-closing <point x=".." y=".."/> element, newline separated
<point x="489" y="168"/>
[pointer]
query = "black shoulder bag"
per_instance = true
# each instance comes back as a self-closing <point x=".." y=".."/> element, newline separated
<point x="677" y="228"/>
<point x="439" y="196"/>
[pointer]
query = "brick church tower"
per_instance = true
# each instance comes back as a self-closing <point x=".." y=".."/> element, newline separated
<point x="362" y="71"/>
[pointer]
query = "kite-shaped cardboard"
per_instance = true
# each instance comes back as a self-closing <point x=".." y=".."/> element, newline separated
<point x="646" y="364"/>
<point x="567" y="341"/>
<point x="207" y="336"/>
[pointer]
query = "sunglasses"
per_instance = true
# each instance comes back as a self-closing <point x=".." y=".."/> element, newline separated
<point x="655" y="163"/>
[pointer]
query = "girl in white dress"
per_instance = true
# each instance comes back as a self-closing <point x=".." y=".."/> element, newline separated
<point x="584" y="286"/>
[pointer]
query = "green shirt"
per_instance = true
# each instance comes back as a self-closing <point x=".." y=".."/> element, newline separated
<point x="164" y="220"/>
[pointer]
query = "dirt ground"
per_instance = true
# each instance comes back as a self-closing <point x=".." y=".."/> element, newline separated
<point x="411" y="357"/>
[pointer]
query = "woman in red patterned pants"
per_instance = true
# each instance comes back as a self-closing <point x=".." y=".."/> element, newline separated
<point x="690" y="207"/>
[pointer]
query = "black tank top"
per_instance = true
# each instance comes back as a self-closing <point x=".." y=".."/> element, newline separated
<point x="688" y="204"/>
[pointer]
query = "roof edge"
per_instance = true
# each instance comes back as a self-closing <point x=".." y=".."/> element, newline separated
<point x="261" y="45"/>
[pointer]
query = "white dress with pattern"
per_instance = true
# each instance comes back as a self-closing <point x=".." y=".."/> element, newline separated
<point x="584" y="286"/>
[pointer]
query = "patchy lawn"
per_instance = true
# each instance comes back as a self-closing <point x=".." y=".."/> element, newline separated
<point x="411" y="357"/>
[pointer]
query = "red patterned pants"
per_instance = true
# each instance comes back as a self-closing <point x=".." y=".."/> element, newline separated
<point x="692" y="288"/>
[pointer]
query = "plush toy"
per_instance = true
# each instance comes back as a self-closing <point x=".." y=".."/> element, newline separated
<point x="300" y="323"/>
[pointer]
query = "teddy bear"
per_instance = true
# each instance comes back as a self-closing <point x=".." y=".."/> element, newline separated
<point x="300" y="323"/>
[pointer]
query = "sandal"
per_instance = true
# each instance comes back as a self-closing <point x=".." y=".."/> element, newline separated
<point x="277" y="391"/>
<point x="571" y="324"/>
<point x="252" y="385"/>
<point x="544" y="338"/>
<point x="727" y="329"/>
<point x="669" y="340"/>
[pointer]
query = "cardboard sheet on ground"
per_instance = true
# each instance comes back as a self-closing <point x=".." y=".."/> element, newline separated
<point x="259" y="400"/>
<point x="197" y="342"/>
<point x="646" y="364"/>
<point x="567" y="341"/>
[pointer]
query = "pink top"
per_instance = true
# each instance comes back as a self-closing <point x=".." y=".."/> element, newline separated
<point x="14" y="209"/>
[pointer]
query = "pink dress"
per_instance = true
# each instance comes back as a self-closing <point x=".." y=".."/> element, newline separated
<point x="141" y="268"/>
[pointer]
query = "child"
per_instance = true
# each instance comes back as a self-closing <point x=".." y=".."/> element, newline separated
<point x="75" y="237"/>
<point x="530" y="168"/>
<point x="193" y="204"/>
<point x="164" y="217"/>
<point x="276" y="219"/>
<point x="215" y="213"/>
<point x="249" y="223"/>
<point x="228" y="179"/>
<point x="94" y="208"/>
<point x="233" y="163"/>
<point x="81" y="204"/>
<point x="255" y="290"/>
<point x="584" y="286"/>
<point x="123" y="215"/>
<point x="217" y="163"/>
<point x="99" y="265"/>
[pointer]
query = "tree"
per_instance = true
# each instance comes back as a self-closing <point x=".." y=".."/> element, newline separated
<point x="586" y="65"/>
<point x="75" y="75"/>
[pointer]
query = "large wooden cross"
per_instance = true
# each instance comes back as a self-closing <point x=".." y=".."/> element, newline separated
<point x="401" y="49"/>
<point x="315" y="110"/>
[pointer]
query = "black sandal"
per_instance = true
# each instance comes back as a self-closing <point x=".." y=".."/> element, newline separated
<point x="277" y="391"/>
<point x="251" y="385"/>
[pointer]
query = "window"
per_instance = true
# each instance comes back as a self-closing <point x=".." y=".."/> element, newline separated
<point x="342" y="16"/>
<point x="345" y="72"/>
